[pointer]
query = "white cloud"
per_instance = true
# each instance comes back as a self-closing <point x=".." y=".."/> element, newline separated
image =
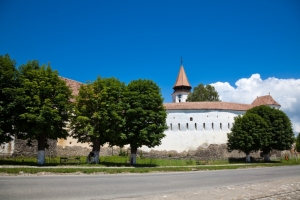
<point x="285" y="91"/>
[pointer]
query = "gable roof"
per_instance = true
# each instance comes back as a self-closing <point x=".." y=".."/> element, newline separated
<point x="181" y="79"/>
<point x="218" y="105"/>
<point x="73" y="85"/>
<point x="265" y="100"/>
<point x="207" y="105"/>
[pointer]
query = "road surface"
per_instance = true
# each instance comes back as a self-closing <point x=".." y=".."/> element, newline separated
<point x="185" y="185"/>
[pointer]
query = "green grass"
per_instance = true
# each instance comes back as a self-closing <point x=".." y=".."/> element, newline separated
<point x="119" y="164"/>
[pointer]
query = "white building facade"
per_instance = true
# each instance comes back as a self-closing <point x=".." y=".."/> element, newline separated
<point x="199" y="124"/>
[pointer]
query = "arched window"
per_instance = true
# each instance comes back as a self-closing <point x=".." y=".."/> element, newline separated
<point x="179" y="126"/>
<point x="203" y="126"/>
<point x="195" y="126"/>
<point x="187" y="126"/>
<point x="220" y="126"/>
<point x="212" y="126"/>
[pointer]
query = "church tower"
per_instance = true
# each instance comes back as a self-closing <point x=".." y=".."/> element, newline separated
<point x="182" y="87"/>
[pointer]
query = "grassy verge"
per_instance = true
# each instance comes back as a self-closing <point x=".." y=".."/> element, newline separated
<point x="140" y="168"/>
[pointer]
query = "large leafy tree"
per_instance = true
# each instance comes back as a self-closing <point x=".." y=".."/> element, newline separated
<point x="203" y="93"/>
<point x="279" y="129"/>
<point x="8" y="90"/>
<point x="145" y="116"/>
<point x="45" y="105"/>
<point x="98" y="117"/>
<point x="248" y="132"/>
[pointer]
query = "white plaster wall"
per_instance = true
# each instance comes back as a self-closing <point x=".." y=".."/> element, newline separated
<point x="190" y="136"/>
<point x="183" y="94"/>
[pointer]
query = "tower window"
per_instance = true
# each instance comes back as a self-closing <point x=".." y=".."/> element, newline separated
<point x="220" y="126"/>
<point x="212" y="126"/>
<point x="171" y="126"/>
<point x="191" y="119"/>
<point x="203" y="126"/>
<point x="187" y="126"/>
<point x="178" y="126"/>
<point x="195" y="126"/>
<point x="228" y="126"/>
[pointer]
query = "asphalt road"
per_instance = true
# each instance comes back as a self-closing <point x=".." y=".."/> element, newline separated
<point x="105" y="186"/>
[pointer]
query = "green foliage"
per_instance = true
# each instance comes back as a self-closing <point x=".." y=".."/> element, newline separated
<point x="144" y="114"/>
<point x="298" y="143"/>
<point x="279" y="128"/>
<point x="8" y="108"/>
<point x="247" y="133"/>
<point x="99" y="112"/>
<point x="203" y="93"/>
<point x="44" y="104"/>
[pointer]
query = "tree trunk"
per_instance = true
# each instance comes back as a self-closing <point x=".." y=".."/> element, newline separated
<point x="96" y="150"/>
<point x="41" y="149"/>
<point x="266" y="155"/>
<point x="248" y="157"/>
<point x="133" y="155"/>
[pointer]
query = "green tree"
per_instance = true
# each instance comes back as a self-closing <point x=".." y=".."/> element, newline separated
<point x="8" y="108"/>
<point x="247" y="134"/>
<point x="279" y="129"/>
<point x="98" y="115"/>
<point x="145" y="116"/>
<point x="45" y="106"/>
<point x="203" y="93"/>
<point x="297" y="147"/>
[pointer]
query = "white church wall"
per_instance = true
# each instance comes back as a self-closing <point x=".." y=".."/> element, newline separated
<point x="189" y="129"/>
<point x="182" y="94"/>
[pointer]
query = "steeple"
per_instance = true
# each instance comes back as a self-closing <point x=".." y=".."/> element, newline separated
<point x="182" y="80"/>
<point x="181" y="87"/>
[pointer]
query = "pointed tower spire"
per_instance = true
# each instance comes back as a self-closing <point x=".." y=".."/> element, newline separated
<point x="182" y="80"/>
<point x="182" y="87"/>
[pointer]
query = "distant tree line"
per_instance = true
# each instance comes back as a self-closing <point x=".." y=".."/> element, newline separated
<point x="35" y="105"/>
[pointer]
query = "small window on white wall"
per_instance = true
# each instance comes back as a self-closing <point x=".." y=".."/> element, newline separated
<point x="228" y="126"/>
<point x="179" y="126"/>
<point x="171" y="126"/>
<point x="203" y="126"/>
<point x="187" y="126"/>
<point x="220" y="126"/>
<point x="191" y="119"/>
<point x="195" y="126"/>
<point x="212" y="126"/>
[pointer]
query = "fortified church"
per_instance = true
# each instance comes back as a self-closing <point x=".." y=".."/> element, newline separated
<point x="191" y="125"/>
<point x="200" y="124"/>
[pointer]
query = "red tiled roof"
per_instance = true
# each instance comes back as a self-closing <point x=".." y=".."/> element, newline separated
<point x="209" y="105"/>
<point x="217" y="105"/>
<point x="182" y="78"/>
<point x="73" y="85"/>
<point x="265" y="100"/>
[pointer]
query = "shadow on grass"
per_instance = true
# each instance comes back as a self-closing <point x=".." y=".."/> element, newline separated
<point x="113" y="164"/>
<point x="252" y="160"/>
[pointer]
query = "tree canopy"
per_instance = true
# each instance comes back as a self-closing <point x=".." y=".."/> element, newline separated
<point x="203" y="93"/>
<point x="45" y="105"/>
<point x="279" y="127"/>
<point x="247" y="134"/>
<point x="277" y="134"/>
<point x="8" y="107"/>
<point x="145" y="115"/>
<point x="98" y="116"/>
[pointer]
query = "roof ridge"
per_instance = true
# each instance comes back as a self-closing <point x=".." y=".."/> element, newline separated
<point x="70" y="79"/>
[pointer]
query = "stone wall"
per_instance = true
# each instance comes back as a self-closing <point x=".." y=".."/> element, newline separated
<point x="22" y="149"/>
<point x="213" y="151"/>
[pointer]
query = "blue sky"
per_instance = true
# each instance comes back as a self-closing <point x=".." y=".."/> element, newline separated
<point x="219" y="41"/>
